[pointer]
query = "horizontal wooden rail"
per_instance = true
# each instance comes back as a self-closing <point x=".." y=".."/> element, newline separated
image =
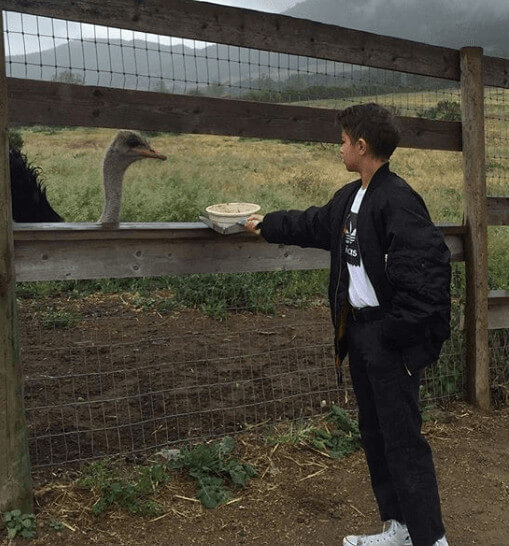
<point x="498" y="305"/>
<point x="46" y="252"/>
<point x="498" y="211"/>
<point x="265" y="31"/>
<point x="51" y="103"/>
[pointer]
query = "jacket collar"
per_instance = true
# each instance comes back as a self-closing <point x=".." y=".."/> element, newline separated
<point x="378" y="176"/>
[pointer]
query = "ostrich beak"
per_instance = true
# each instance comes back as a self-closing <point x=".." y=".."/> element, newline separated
<point x="149" y="152"/>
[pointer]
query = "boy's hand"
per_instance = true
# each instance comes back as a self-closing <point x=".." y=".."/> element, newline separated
<point x="252" y="223"/>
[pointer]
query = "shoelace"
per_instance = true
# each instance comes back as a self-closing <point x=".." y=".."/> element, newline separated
<point x="386" y="533"/>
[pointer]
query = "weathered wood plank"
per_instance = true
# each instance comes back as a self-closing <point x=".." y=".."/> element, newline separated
<point x="498" y="305"/>
<point x="140" y="230"/>
<point x="108" y="258"/>
<point x="52" y="103"/>
<point x="15" y="473"/>
<point x="498" y="211"/>
<point x="90" y="231"/>
<point x="476" y="237"/>
<point x="496" y="72"/>
<point x="60" y="252"/>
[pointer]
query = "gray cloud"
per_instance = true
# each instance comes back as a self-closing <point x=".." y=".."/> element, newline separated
<point x="454" y="23"/>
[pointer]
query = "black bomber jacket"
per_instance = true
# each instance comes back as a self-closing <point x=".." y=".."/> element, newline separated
<point x="403" y="252"/>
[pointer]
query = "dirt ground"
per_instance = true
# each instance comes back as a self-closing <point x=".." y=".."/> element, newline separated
<point x="123" y="379"/>
<point x="304" y="498"/>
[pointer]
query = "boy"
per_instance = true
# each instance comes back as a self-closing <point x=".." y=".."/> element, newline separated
<point x="389" y="293"/>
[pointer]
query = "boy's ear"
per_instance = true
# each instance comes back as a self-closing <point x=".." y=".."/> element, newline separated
<point x="362" y="146"/>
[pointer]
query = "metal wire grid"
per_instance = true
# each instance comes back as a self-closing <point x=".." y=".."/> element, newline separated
<point x="499" y="362"/>
<point x="496" y="117"/>
<point x="124" y="385"/>
<point x="497" y="180"/>
<point x="52" y="49"/>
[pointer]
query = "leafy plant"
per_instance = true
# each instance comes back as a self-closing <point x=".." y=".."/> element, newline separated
<point x="19" y="524"/>
<point x="125" y="490"/>
<point x="55" y="525"/>
<point x="342" y="441"/>
<point x="447" y="110"/>
<point x="214" y="470"/>
<point x="15" y="139"/>
<point x="59" y="319"/>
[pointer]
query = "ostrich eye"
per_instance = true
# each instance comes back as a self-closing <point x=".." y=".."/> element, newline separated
<point x="133" y="142"/>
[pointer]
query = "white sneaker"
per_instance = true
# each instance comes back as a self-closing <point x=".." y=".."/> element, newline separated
<point x="441" y="542"/>
<point x="395" y="535"/>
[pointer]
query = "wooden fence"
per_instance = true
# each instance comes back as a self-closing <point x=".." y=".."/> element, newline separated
<point x="72" y="251"/>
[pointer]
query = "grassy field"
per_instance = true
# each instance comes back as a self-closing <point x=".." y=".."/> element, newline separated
<point x="202" y="170"/>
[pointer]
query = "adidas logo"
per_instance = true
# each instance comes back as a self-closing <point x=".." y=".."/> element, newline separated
<point x="351" y="236"/>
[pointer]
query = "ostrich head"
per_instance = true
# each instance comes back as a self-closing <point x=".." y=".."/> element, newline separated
<point x="126" y="148"/>
<point x="29" y="201"/>
<point x="129" y="146"/>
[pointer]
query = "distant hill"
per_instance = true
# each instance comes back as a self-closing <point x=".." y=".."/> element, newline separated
<point x="129" y="64"/>
<point x="450" y="23"/>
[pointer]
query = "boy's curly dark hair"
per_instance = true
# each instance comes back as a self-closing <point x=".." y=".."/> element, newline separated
<point x="375" y="124"/>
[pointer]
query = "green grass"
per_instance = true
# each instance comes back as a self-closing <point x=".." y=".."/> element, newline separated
<point x="214" y="294"/>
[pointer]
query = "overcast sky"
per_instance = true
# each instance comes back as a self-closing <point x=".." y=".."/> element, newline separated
<point x="274" y="6"/>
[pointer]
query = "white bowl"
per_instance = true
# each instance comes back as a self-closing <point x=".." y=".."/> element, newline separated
<point x="230" y="213"/>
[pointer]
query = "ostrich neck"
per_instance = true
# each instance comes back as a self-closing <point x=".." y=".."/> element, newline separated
<point x="113" y="176"/>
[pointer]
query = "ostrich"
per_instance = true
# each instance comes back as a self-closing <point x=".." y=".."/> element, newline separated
<point x="29" y="201"/>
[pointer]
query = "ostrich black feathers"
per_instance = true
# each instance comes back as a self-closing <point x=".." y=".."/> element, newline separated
<point x="29" y="201"/>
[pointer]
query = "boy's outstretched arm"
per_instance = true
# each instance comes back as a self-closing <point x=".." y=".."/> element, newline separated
<point x="305" y="228"/>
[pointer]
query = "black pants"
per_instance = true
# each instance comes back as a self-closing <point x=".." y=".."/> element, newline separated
<point x="398" y="456"/>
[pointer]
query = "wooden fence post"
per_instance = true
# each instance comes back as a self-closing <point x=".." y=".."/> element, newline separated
<point x="15" y="472"/>
<point x="476" y="236"/>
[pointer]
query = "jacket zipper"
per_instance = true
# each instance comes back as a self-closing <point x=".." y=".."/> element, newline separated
<point x="337" y="284"/>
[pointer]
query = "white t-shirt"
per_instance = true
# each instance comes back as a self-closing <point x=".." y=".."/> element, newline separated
<point x="360" y="290"/>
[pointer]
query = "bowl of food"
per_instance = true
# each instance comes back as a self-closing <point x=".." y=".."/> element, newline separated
<point x="231" y="213"/>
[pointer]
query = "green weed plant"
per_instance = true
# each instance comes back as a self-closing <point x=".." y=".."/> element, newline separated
<point x="338" y="440"/>
<point x="123" y="488"/>
<point x="59" y="319"/>
<point x="214" y="469"/>
<point x="19" y="525"/>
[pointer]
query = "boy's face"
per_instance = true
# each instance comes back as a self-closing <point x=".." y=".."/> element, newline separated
<point x="350" y="152"/>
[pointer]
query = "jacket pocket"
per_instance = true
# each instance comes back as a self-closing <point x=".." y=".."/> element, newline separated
<point x="406" y="272"/>
<point x="416" y="357"/>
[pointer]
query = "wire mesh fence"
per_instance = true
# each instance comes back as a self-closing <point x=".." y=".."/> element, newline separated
<point x="497" y="180"/>
<point x="129" y="382"/>
<point x="52" y="49"/>
<point x="497" y="140"/>
<point x="124" y="384"/>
